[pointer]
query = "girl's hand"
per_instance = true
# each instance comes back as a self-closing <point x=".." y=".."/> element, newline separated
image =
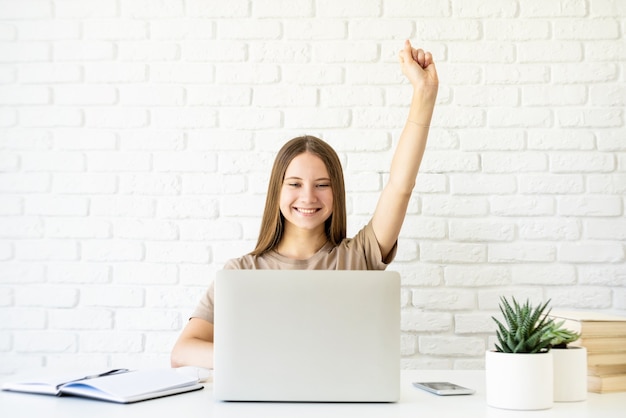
<point x="418" y="67"/>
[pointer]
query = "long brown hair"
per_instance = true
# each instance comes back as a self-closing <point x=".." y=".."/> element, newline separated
<point x="272" y="223"/>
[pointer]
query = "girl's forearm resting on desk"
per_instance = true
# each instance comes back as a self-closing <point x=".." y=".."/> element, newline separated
<point x="194" y="347"/>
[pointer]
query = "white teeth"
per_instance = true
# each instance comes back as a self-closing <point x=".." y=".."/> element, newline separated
<point x="307" y="211"/>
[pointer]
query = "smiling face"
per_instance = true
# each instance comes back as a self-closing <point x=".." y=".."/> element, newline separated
<point x="278" y="217"/>
<point x="306" y="196"/>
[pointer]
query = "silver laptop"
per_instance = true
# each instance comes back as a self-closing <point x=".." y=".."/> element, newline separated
<point x="307" y="336"/>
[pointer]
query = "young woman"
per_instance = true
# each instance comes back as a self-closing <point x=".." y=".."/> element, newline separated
<point x="304" y="220"/>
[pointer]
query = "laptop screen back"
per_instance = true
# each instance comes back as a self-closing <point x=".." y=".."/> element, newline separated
<point x="307" y="335"/>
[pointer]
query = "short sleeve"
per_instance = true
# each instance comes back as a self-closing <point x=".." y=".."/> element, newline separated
<point x="204" y="309"/>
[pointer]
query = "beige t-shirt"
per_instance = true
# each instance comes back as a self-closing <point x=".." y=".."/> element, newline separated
<point x="359" y="253"/>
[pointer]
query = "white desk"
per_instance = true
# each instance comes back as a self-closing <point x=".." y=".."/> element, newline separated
<point x="413" y="403"/>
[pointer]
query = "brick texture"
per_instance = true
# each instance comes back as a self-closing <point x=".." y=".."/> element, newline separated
<point x="136" y="139"/>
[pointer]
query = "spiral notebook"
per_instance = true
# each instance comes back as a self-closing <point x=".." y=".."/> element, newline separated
<point x="115" y="385"/>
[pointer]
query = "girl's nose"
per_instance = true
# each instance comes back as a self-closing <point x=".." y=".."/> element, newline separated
<point x="307" y="194"/>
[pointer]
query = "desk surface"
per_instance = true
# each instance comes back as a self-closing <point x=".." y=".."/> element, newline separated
<point x="413" y="403"/>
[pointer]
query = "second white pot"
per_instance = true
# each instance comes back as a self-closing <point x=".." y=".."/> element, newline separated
<point x="570" y="374"/>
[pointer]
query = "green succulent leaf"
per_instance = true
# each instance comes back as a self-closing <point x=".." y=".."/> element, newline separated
<point x="525" y="329"/>
<point x="559" y="336"/>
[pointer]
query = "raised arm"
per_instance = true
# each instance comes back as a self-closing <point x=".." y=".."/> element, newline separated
<point x="418" y="67"/>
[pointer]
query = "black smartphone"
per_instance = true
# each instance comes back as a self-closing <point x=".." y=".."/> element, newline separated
<point x="443" y="388"/>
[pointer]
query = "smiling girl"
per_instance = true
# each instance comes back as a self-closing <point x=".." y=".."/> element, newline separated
<point x="304" y="220"/>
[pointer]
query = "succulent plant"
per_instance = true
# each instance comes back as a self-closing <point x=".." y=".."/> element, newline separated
<point x="561" y="336"/>
<point x="527" y="328"/>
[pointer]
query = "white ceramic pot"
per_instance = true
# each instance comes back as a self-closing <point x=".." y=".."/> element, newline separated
<point x="519" y="381"/>
<point x="570" y="374"/>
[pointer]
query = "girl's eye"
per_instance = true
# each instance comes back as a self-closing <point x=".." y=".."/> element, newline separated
<point x="323" y="185"/>
<point x="293" y="184"/>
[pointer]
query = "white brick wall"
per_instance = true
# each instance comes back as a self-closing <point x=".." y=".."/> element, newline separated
<point x="136" y="138"/>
